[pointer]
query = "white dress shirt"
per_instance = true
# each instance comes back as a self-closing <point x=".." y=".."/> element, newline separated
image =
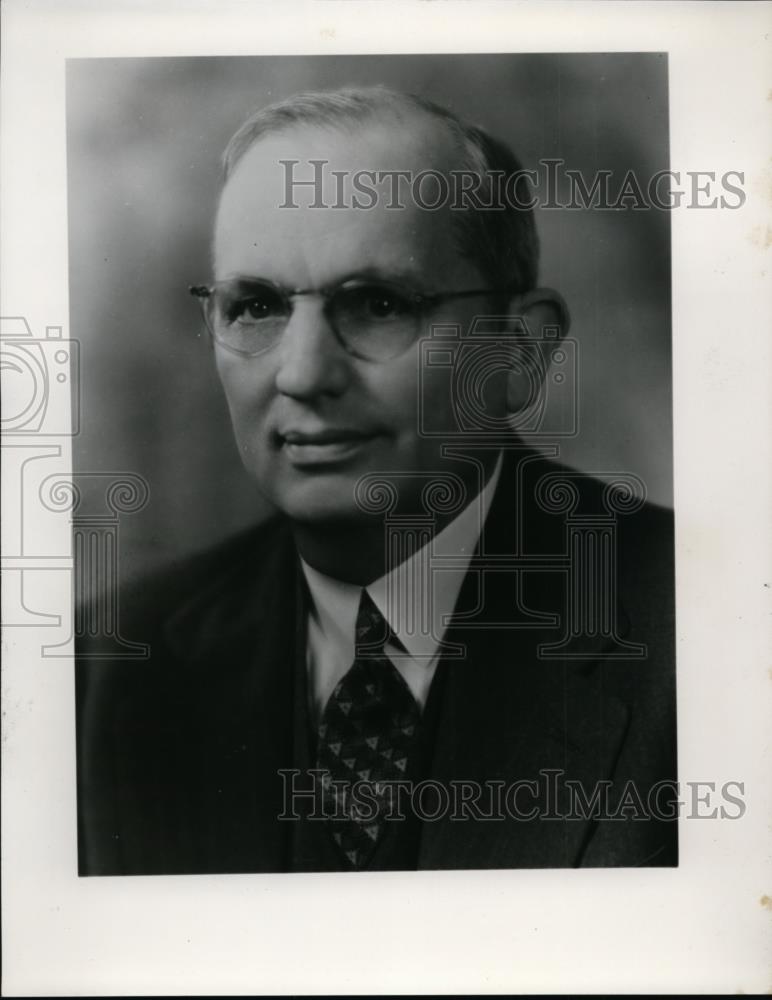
<point x="397" y="595"/>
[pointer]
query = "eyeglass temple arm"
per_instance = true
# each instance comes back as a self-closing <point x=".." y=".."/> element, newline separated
<point x="200" y="291"/>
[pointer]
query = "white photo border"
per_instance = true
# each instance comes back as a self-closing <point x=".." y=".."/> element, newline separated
<point x="703" y="927"/>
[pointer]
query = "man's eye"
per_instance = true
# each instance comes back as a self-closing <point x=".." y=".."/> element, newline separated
<point x="253" y="308"/>
<point x="375" y="302"/>
<point x="258" y="308"/>
<point x="382" y="304"/>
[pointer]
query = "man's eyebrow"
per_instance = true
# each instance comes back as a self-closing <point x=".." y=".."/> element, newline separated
<point x="243" y="279"/>
<point x="400" y="274"/>
<point x="373" y="272"/>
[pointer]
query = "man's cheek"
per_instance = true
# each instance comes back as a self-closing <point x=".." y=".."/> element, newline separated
<point x="251" y="444"/>
<point x="247" y="414"/>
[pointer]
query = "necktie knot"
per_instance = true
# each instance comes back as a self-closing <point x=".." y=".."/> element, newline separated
<point x="372" y="632"/>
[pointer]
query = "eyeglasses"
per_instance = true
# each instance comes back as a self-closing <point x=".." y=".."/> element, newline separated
<point x="373" y="320"/>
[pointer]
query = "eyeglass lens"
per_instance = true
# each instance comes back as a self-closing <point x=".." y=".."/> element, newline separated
<point x="373" y="320"/>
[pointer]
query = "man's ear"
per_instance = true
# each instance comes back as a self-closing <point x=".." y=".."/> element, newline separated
<point x="540" y="319"/>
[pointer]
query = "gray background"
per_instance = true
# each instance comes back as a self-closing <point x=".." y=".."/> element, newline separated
<point x="144" y="137"/>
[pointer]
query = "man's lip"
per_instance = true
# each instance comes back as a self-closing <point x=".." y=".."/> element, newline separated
<point x="331" y="435"/>
<point x="320" y="449"/>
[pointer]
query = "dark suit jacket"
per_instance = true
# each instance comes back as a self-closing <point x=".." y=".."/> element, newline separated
<point x="178" y="755"/>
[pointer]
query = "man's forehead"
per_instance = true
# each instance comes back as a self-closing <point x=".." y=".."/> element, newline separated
<point x="266" y="206"/>
<point x="413" y="142"/>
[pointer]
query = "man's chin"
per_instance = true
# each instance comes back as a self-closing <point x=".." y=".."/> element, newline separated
<point x="318" y="506"/>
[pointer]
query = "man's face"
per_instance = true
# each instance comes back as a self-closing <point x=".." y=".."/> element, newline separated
<point x="311" y="419"/>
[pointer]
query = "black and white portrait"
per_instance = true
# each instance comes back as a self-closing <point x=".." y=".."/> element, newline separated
<point x="380" y="349"/>
<point x="385" y="421"/>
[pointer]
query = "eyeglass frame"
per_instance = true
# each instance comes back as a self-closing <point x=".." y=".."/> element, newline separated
<point x="423" y="300"/>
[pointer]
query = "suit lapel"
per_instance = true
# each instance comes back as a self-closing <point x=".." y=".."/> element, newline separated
<point x="238" y="642"/>
<point x="507" y="715"/>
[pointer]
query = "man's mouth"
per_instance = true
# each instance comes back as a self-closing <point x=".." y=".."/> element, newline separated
<point x="323" y="446"/>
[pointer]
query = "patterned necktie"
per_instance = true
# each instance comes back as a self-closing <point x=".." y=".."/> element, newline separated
<point x="367" y="732"/>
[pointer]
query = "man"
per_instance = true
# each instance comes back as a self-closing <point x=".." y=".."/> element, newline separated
<point x="428" y="658"/>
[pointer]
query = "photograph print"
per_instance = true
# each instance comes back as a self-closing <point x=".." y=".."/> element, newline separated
<point x="374" y="535"/>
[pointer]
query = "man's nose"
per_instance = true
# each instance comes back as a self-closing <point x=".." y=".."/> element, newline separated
<point x="311" y="360"/>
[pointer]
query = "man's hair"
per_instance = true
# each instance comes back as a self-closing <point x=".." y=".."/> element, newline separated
<point x="501" y="241"/>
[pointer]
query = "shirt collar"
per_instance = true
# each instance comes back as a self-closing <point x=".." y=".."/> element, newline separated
<point x="401" y="593"/>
